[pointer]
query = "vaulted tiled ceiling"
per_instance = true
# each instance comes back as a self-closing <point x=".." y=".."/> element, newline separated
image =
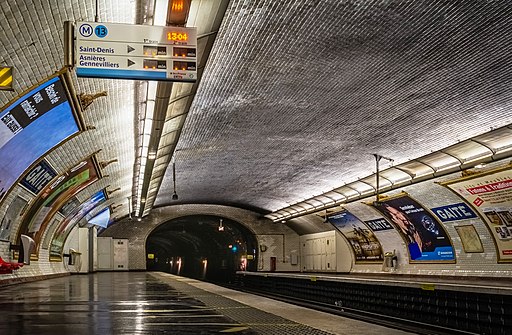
<point x="296" y="95"/>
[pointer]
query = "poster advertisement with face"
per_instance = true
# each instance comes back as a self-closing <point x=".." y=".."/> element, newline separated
<point x="491" y="196"/>
<point x="361" y="238"/>
<point x="426" y="238"/>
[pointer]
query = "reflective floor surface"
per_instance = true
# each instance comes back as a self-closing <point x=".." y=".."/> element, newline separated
<point x="158" y="303"/>
<point x="107" y="303"/>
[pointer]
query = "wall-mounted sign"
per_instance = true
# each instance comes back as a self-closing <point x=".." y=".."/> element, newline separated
<point x="454" y="212"/>
<point x="6" y="78"/>
<point x="363" y="241"/>
<point x="379" y="224"/>
<point x="491" y="196"/>
<point x="142" y="52"/>
<point x="425" y="236"/>
<point x="151" y="256"/>
<point x="32" y="125"/>
<point x="38" y="177"/>
<point x="469" y="237"/>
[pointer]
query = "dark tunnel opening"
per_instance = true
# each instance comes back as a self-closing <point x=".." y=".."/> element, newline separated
<point x="203" y="247"/>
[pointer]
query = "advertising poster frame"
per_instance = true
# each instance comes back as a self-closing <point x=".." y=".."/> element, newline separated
<point x="56" y="194"/>
<point x="362" y="240"/>
<point x="21" y="114"/>
<point x="426" y="238"/>
<point x="489" y="194"/>
<point x="71" y="220"/>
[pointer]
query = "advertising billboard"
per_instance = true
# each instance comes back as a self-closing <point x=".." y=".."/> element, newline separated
<point x="101" y="219"/>
<point x="72" y="220"/>
<point x="491" y="196"/>
<point x="56" y="195"/>
<point x="426" y="238"/>
<point x="361" y="238"/>
<point x="33" y="124"/>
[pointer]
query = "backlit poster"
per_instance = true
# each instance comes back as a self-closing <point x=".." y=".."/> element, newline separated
<point x="32" y="125"/>
<point x="71" y="220"/>
<point x="491" y="196"/>
<point x="361" y="238"/>
<point x="57" y="194"/>
<point x="101" y="219"/>
<point x="426" y="238"/>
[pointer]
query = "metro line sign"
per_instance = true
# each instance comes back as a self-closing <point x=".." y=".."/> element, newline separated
<point x="126" y="51"/>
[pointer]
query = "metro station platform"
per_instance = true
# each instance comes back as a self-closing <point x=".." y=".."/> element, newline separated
<point x="158" y="303"/>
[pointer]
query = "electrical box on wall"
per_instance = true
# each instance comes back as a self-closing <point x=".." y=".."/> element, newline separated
<point x="120" y="254"/>
<point x="105" y="254"/>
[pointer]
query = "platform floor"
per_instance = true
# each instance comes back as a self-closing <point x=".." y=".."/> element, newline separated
<point x="158" y="303"/>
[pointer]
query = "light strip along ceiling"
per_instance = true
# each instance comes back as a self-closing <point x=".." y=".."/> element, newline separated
<point x="485" y="148"/>
<point x="173" y="101"/>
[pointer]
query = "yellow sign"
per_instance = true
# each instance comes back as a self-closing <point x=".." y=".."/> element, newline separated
<point x="151" y="256"/>
<point x="249" y="257"/>
<point x="6" y="78"/>
<point x="428" y="287"/>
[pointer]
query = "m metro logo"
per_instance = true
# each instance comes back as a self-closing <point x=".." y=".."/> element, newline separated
<point x="86" y="30"/>
<point x="6" y="78"/>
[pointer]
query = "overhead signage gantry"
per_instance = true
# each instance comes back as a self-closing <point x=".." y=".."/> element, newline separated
<point x="142" y="52"/>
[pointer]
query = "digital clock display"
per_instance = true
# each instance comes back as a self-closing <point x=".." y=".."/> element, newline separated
<point x="175" y="36"/>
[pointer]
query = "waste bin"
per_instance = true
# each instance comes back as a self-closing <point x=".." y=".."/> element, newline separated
<point x="390" y="260"/>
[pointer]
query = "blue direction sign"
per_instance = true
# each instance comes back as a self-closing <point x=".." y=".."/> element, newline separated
<point x="454" y="212"/>
<point x="125" y="51"/>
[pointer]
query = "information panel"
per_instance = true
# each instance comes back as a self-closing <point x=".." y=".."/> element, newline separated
<point x="143" y="52"/>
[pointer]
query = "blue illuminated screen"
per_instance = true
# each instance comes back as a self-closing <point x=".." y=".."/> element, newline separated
<point x="101" y="219"/>
<point x="30" y="127"/>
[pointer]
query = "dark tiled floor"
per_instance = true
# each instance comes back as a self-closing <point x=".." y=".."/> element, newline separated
<point x="108" y="303"/>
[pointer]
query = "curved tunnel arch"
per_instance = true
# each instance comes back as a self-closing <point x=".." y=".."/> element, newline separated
<point x="194" y="246"/>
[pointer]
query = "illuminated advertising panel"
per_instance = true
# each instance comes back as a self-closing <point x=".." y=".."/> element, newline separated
<point x="56" y="195"/>
<point x="426" y="238"/>
<point x="33" y="124"/>
<point x="71" y="220"/>
<point x="101" y="219"/>
<point x="361" y="238"/>
<point x="491" y="196"/>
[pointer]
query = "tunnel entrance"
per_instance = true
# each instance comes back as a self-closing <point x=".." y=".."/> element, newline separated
<point x="204" y="247"/>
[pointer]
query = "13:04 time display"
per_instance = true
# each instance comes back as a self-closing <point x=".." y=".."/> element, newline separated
<point x="175" y="36"/>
